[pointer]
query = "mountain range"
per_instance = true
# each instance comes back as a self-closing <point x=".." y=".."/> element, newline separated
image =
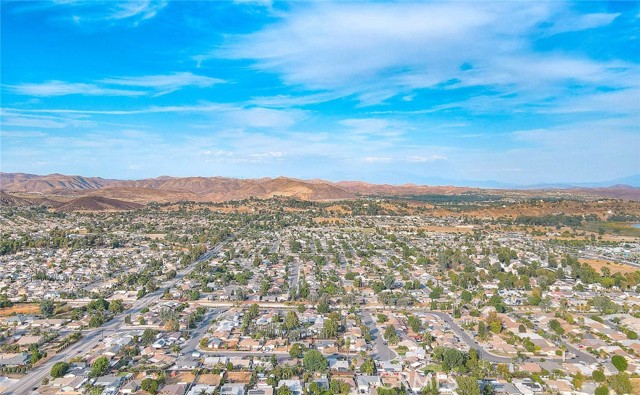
<point x="100" y="193"/>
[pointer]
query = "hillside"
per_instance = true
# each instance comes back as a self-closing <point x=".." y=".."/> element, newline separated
<point x="218" y="189"/>
<point x="52" y="183"/>
<point x="97" y="203"/>
<point x="13" y="201"/>
<point x="143" y="195"/>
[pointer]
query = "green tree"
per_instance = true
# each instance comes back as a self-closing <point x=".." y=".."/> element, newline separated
<point x="59" y="369"/>
<point x="494" y="322"/>
<point x="467" y="385"/>
<point x="330" y="328"/>
<point x="620" y="363"/>
<point x="620" y="383"/>
<point x="598" y="376"/>
<point x="390" y="335"/>
<point x="296" y="350"/>
<point x="368" y="367"/>
<point x="577" y="381"/>
<point x="150" y="385"/>
<point x="194" y="294"/>
<point x="46" y="308"/>
<point x="283" y="390"/>
<point x="556" y="327"/>
<point x="323" y="307"/>
<point x="414" y="323"/>
<point x="148" y="336"/>
<point x="314" y="361"/>
<point x="100" y="367"/>
<point x="291" y="321"/>
<point x="482" y="330"/>
<point x="253" y="311"/>
<point x="602" y="390"/>
<point x="116" y="306"/>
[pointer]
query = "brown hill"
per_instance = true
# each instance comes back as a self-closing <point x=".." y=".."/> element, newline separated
<point x="364" y="188"/>
<point x="143" y="195"/>
<point x="52" y="183"/>
<point x="197" y="185"/>
<point x="289" y="187"/>
<point x="169" y="189"/>
<point x="13" y="201"/>
<point x="97" y="203"/>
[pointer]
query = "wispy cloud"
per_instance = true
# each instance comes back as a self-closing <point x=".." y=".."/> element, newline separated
<point x="423" y="159"/>
<point x="229" y="115"/>
<point x="130" y="11"/>
<point x="62" y="88"/>
<point x="164" y="84"/>
<point x="115" y="86"/>
<point x="139" y="9"/>
<point x="378" y="51"/>
<point x="582" y="22"/>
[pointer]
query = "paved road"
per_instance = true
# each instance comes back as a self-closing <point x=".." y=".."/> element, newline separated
<point x="275" y="247"/>
<point x="467" y="339"/>
<point x="294" y="274"/>
<point x="462" y="334"/>
<point x="579" y="355"/>
<point x="382" y="352"/>
<point x="91" y="338"/>
<point x="191" y="345"/>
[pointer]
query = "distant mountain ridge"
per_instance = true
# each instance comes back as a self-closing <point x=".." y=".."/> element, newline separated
<point x="218" y="189"/>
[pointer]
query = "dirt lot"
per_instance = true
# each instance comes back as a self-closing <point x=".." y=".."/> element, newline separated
<point x="324" y="220"/>
<point x="614" y="267"/>
<point x="181" y="377"/>
<point x="23" y="308"/>
<point x="447" y="229"/>
<point x="238" y="377"/>
<point x="635" y="384"/>
<point x="210" y="379"/>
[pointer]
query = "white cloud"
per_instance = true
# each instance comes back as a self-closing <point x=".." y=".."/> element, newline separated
<point x="377" y="51"/>
<point x="23" y="119"/>
<point x="61" y="88"/>
<point x="138" y="9"/>
<point x="582" y="22"/>
<point x="21" y="134"/>
<point x="130" y="11"/>
<point x="152" y="85"/>
<point x="422" y="159"/>
<point x="378" y="127"/>
<point x="164" y="83"/>
<point x="377" y="159"/>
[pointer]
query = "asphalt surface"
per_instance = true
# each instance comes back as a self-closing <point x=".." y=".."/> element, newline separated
<point x="381" y="351"/>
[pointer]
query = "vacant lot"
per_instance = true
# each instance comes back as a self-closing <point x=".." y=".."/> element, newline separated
<point x="182" y="377"/>
<point x="23" y="308"/>
<point x="614" y="267"/>
<point x="635" y="384"/>
<point x="325" y="220"/>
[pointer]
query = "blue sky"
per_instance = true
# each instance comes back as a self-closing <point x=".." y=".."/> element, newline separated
<point x="518" y="92"/>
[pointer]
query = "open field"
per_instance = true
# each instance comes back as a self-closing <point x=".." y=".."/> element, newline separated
<point x="598" y="264"/>
<point x="447" y="229"/>
<point x="26" y="308"/>
<point x="182" y="377"/>
<point x="324" y="220"/>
